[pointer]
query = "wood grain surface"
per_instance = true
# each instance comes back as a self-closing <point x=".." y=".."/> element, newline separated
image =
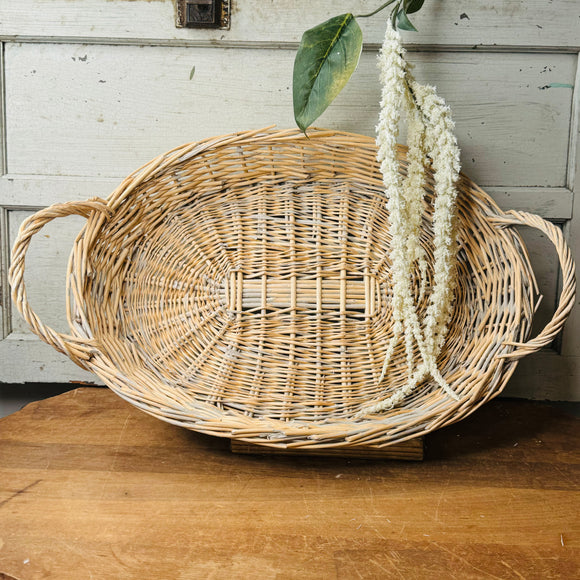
<point x="90" y="487"/>
<point x="410" y="450"/>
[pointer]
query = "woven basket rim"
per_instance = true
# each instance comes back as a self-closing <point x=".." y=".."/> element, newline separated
<point x="229" y="157"/>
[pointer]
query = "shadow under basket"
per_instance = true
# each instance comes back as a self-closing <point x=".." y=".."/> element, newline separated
<point x="240" y="287"/>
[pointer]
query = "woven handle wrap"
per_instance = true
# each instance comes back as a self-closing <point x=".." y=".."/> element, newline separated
<point x="568" y="293"/>
<point x="77" y="349"/>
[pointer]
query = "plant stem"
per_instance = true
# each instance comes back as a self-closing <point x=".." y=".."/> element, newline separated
<point x="377" y="10"/>
<point x="394" y="16"/>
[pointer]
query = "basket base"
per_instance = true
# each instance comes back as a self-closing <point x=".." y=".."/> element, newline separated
<point x="411" y="450"/>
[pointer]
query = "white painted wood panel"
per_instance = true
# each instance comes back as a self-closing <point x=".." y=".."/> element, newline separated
<point x="550" y="203"/>
<point x="33" y="361"/>
<point x="48" y="255"/>
<point x="571" y="334"/>
<point x="45" y="279"/>
<point x="43" y="190"/>
<point x="95" y="88"/>
<point x="93" y="110"/>
<point x="46" y="263"/>
<point x="554" y="203"/>
<point x="536" y="23"/>
<point x="546" y="376"/>
<point x="544" y="260"/>
<point x="555" y="374"/>
<point x="23" y="356"/>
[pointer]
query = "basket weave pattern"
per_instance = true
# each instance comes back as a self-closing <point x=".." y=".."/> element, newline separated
<point x="240" y="286"/>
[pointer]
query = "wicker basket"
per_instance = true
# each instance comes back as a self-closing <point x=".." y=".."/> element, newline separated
<point x="239" y="286"/>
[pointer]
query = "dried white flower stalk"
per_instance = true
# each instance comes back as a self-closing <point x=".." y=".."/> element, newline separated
<point x="430" y="140"/>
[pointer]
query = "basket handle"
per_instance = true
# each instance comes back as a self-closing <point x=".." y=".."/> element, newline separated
<point x="568" y="293"/>
<point x="78" y="349"/>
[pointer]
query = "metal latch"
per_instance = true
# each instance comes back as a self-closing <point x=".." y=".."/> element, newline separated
<point x="203" y="14"/>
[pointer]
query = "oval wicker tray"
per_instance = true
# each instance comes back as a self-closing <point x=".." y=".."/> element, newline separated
<point x="239" y="286"/>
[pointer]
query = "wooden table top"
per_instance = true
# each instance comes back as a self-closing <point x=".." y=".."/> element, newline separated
<point x="92" y="488"/>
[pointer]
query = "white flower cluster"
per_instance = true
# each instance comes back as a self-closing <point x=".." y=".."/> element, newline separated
<point x="431" y="141"/>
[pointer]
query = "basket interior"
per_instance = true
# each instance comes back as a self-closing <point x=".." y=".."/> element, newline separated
<point x="253" y="279"/>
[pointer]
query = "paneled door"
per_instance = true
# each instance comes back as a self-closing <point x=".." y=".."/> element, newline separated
<point x="92" y="89"/>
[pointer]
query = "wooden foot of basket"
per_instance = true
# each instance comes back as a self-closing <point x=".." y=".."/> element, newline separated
<point x="411" y="450"/>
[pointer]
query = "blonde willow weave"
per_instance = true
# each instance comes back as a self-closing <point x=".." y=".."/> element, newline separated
<point x="240" y="286"/>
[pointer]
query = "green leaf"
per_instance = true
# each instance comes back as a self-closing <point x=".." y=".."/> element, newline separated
<point x="327" y="57"/>
<point x="412" y="6"/>
<point x="403" y="22"/>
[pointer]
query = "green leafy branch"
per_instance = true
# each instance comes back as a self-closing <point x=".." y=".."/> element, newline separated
<point x="328" y="55"/>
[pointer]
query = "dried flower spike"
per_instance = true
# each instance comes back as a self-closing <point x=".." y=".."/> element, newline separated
<point x="431" y="141"/>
